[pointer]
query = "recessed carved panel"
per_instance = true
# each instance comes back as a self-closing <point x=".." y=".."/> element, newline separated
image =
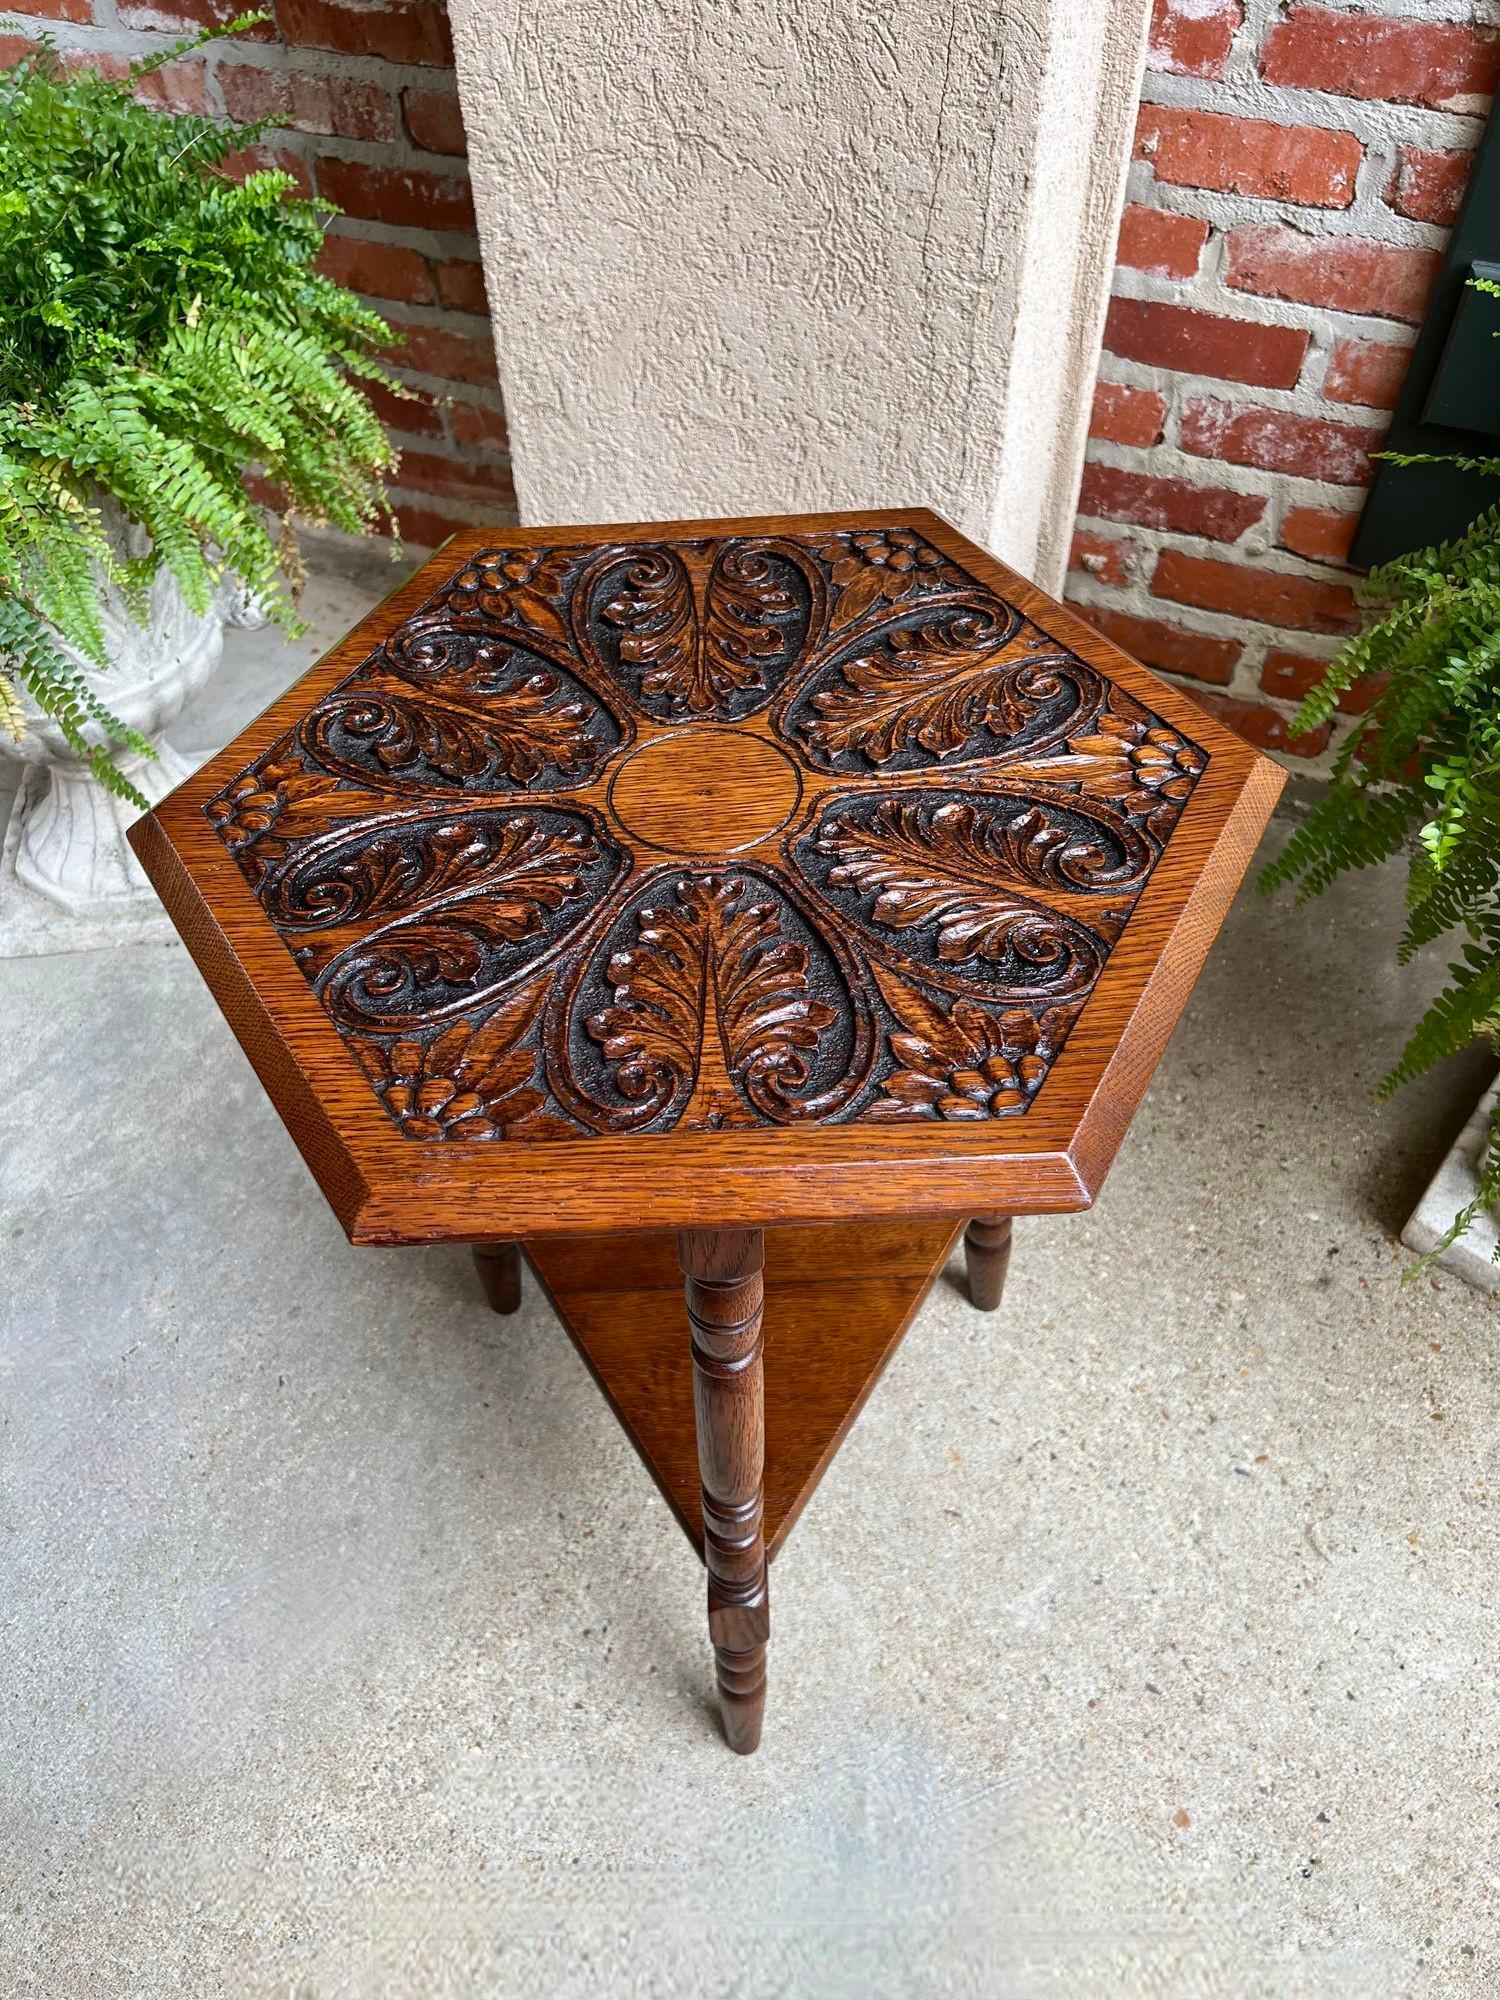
<point x="711" y="998"/>
<point x="708" y="835"/>
<point x="1019" y="897"/>
<point x="948" y="688"/>
<point x="699" y="629"/>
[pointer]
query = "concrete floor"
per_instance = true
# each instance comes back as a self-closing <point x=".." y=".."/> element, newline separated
<point x="1141" y="1640"/>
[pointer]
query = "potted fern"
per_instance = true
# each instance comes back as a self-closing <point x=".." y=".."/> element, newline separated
<point x="163" y="332"/>
<point x="1419" y="776"/>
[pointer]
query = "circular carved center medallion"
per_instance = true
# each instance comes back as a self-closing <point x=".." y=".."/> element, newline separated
<point x="705" y="791"/>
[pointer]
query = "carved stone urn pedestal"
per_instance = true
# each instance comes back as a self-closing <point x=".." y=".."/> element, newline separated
<point x="68" y="880"/>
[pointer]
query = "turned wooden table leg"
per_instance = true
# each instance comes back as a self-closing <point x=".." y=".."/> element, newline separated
<point x="722" y="1268"/>
<point x="499" y="1268"/>
<point x="987" y="1255"/>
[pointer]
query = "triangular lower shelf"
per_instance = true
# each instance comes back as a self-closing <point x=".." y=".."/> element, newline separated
<point x="837" y="1302"/>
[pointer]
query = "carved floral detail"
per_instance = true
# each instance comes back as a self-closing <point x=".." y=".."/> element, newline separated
<point x="433" y="842"/>
<point x="525" y="587"/>
<point x="881" y="567"/>
<point x="247" y="807"/>
<point x="262" y="813"/>
<point x="1146" y="768"/>
<point x="476" y="1080"/>
<point x="964" y="1061"/>
<point x="933" y="687"/>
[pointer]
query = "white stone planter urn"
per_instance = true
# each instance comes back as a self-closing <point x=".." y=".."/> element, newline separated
<point x="1454" y="1185"/>
<point x="68" y="878"/>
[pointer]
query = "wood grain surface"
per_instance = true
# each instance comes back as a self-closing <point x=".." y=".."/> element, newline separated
<point x="725" y="1296"/>
<point x="837" y="1301"/>
<point x="987" y="1259"/>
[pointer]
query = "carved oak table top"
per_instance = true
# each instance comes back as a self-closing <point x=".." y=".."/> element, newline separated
<point x="702" y="877"/>
<point x="815" y="867"/>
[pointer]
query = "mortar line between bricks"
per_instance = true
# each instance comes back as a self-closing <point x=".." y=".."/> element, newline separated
<point x="107" y="34"/>
<point x="1447" y="13"/>
<point x="1252" y="97"/>
<point x="1199" y="469"/>
<point x="1250" y="308"/>
<point x="392" y="155"/>
<point x="1305" y="399"/>
<point x="1370" y="218"/>
<point x="1092" y="595"/>
<point x="443" y="243"/>
<point x="1239" y="553"/>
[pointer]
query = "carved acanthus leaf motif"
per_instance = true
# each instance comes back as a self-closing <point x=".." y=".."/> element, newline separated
<point x="939" y="866"/>
<point x="476" y="1080"/>
<point x="706" y="629"/>
<point x="964" y="1061"/>
<point x="741" y="637"/>
<point x="436" y="651"/>
<point x="1091" y="848"/>
<point x="418" y="964"/>
<point x="349" y="877"/>
<point x="531" y="729"/>
<point x="653" y="615"/>
<point x="454" y="654"/>
<point x="711" y="1001"/>
<point x="416" y="741"/>
<point x="937" y="687"/>
<point x="767" y="1017"/>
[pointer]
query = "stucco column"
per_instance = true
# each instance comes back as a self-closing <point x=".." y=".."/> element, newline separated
<point x="752" y="256"/>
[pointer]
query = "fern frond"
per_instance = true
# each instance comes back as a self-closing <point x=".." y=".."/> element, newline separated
<point x="1346" y="828"/>
<point x="1468" y="1005"/>
<point x="1419" y="774"/>
<point x="163" y="331"/>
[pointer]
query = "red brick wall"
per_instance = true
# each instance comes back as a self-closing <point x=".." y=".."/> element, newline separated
<point x="375" y="127"/>
<point x="1297" y="167"/>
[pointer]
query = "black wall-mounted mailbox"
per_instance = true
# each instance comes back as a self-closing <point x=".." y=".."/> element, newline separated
<point x="1465" y="392"/>
<point x="1451" y="398"/>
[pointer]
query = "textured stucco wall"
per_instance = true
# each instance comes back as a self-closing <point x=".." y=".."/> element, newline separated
<point x="768" y="254"/>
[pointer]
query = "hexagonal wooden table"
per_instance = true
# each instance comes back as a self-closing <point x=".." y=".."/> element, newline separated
<point x="767" y="895"/>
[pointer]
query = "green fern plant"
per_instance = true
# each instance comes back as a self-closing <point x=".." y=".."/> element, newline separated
<point x="1419" y="775"/>
<point x="163" y="332"/>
